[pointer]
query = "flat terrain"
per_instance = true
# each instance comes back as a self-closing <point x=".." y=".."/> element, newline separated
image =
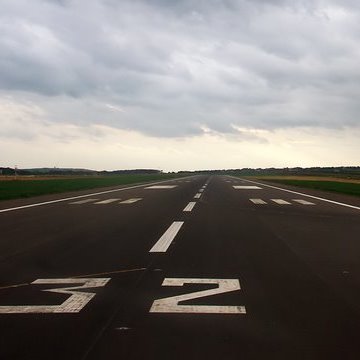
<point x="27" y="186"/>
<point x="197" y="268"/>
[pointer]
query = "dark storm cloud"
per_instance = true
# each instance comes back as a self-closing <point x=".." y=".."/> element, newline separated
<point x="174" y="68"/>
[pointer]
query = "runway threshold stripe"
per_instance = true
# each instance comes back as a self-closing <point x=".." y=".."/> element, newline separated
<point x="166" y="239"/>
<point x="303" y="202"/>
<point x="197" y="196"/>
<point x="307" y="195"/>
<point x="107" y="201"/>
<point x="130" y="201"/>
<point x="280" y="202"/>
<point x="83" y="201"/>
<point x="190" y="206"/>
<point x="258" y="201"/>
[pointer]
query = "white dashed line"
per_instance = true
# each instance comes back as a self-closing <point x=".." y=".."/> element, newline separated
<point x="166" y="239"/>
<point x="307" y="195"/>
<point x="246" y="187"/>
<point x="158" y="187"/>
<point x="280" y="201"/>
<point x="201" y="190"/>
<point x="303" y="202"/>
<point x="130" y="201"/>
<point x="190" y="206"/>
<point x="197" y="196"/>
<point x="108" y="201"/>
<point x="258" y="201"/>
<point x="83" y="201"/>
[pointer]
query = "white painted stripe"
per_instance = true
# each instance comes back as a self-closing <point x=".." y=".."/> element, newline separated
<point x="197" y="196"/>
<point x="190" y="206"/>
<point x="280" y="201"/>
<point x="166" y="239"/>
<point x="307" y="195"/>
<point x="157" y="187"/>
<point x="258" y="201"/>
<point x="130" y="201"/>
<point x="83" y="201"/>
<point x="108" y="201"/>
<point x="245" y="187"/>
<point x="201" y="190"/>
<point x="81" y="196"/>
<point x="303" y="202"/>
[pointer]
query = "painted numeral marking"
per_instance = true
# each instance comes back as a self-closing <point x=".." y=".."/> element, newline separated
<point x="171" y="304"/>
<point x="75" y="303"/>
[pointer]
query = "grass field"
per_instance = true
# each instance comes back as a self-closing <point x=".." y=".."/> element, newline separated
<point x="13" y="189"/>
<point x="344" y="186"/>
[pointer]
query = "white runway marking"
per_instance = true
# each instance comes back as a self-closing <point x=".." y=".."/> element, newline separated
<point x="79" y="197"/>
<point x="73" y="304"/>
<point x="197" y="196"/>
<point x="280" y="201"/>
<point x="108" y="201"/>
<point x="190" y="206"/>
<point x="171" y="304"/>
<point x="307" y="195"/>
<point x="201" y="190"/>
<point x="167" y="238"/>
<point x="246" y="187"/>
<point x="258" y="201"/>
<point x="303" y="202"/>
<point x="161" y="187"/>
<point x="83" y="201"/>
<point x="130" y="201"/>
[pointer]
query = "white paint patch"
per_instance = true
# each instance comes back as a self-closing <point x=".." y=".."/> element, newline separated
<point x="171" y="304"/>
<point x="83" y="201"/>
<point x="130" y="201"/>
<point x="197" y="196"/>
<point x="108" y="201"/>
<point x="78" y="197"/>
<point x="77" y="301"/>
<point x="190" y="206"/>
<point x="166" y="239"/>
<point x="303" y="202"/>
<point x="245" y="187"/>
<point x="303" y="194"/>
<point x="280" y="202"/>
<point x="157" y="187"/>
<point x="258" y="201"/>
<point x="201" y="190"/>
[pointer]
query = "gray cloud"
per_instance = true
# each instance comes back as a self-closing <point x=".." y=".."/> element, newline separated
<point x="175" y="67"/>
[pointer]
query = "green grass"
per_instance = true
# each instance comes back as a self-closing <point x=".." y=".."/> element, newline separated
<point x="335" y="186"/>
<point x="14" y="189"/>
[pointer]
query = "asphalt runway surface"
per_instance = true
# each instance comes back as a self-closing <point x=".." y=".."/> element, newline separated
<point x="204" y="267"/>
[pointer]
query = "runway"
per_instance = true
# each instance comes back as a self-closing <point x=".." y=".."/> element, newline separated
<point x="203" y="267"/>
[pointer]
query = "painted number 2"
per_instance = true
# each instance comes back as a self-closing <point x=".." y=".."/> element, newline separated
<point x="73" y="304"/>
<point x="171" y="304"/>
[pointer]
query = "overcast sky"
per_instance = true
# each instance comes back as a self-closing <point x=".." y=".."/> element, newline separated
<point x="179" y="84"/>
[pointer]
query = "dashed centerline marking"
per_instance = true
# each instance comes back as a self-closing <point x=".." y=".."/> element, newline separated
<point x="197" y="196"/>
<point x="166" y="239"/>
<point x="190" y="206"/>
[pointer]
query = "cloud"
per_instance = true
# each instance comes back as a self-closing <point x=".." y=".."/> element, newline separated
<point x="175" y="68"/>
